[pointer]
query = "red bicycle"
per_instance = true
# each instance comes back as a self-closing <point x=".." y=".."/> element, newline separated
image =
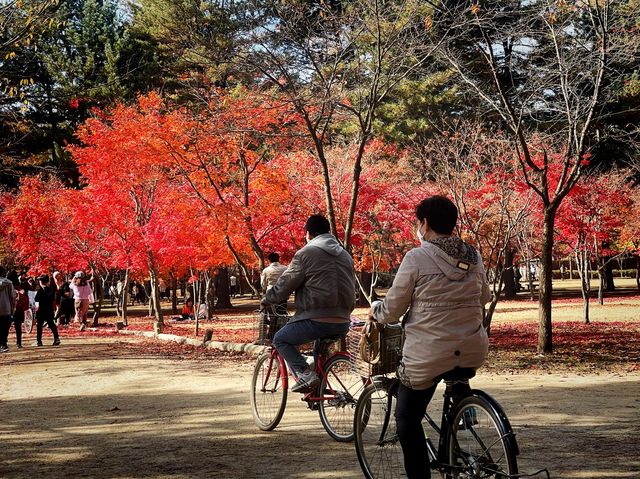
<point x="334" y="397"/>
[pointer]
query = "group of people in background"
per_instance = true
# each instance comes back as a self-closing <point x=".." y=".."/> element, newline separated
<point x="55" y="301"/>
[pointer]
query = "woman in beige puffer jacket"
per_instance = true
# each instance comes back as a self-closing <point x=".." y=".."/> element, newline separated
<point x="442" y="284"/>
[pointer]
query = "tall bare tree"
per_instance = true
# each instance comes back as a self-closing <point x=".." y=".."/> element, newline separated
<point x="336" y="62"/>
<point x="546" y="70"/>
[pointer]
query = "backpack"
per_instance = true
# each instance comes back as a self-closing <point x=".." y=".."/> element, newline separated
<point x="22" y="303"/>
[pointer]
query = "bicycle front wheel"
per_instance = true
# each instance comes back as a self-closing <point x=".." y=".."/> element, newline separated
<point x="377" y="443"/>
<point x="268" y="391"/>
<point x="339" y="388"/>
<point x="480" y="443"/>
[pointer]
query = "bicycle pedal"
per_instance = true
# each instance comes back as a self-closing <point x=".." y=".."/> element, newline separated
<point x="312" y="405"/>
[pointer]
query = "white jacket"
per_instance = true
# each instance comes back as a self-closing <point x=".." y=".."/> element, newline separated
<point x="271" y="274"/>
<point x="446" y="292"/>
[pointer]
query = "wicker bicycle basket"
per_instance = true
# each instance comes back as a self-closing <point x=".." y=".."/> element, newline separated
<point x="268" y="322"/>
<point x="378" y="356"/>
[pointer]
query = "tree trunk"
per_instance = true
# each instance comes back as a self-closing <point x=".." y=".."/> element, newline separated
<point x="174" y="294"/>
<point x="196" y="285"/>
<point x="210" y="297"/>
<point x="118" y="299"/>
<point x="98" y="294"/>
<point x="545" y="336"/>
<point x="155" y="297"/>
<point x="601" y="279"/>
<point x="152" y="307"/>
<point x="125" y="297"/>
<point x="530" y="281"/>
<point x="364" y="282"/>
<point x="222" y="289"/>
<point x="508" y="276"/>
<point x="609" y="284"/>
<point x="570" y="268"/>
<point x="582" y="259"/>
<point x="638" y="272"/>
<point x="488" y="313"/>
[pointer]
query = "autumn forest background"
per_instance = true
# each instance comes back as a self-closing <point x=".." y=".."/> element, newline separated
<point x="182" y="139"/>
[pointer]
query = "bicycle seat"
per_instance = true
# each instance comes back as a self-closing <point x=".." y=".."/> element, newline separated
<point x="457" y="374"/>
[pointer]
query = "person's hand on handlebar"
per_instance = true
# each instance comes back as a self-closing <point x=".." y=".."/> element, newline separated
<point x="370" y="316"/>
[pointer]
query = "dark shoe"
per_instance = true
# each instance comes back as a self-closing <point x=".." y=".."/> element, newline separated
<point x="4" y="349"/>
<point x="38" y="344"/>
<point x="83" y="327"/>
<point x="305" y="382"/>
<point x="56" y="343"/>
<point x="19" y="345"/>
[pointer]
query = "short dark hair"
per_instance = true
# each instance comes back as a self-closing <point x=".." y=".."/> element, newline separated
<point x="44" y="279"/>
<point x="440" y="212"/>
<point x="317" y="225"/>
<point x="2" y="271"/>
<point x="273" y="257"/>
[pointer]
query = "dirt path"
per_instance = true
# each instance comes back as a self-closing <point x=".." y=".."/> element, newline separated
<point x="98" y="409"/>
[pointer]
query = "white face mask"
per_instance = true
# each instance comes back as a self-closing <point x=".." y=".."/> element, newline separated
<point x="419" y="233"/>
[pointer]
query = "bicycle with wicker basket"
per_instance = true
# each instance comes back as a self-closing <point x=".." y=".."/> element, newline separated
<point x="474" y="438"/>
<point x="334" y="397"/>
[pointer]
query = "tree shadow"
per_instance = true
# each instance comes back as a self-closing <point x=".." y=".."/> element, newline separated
<point x="156" y="425"/>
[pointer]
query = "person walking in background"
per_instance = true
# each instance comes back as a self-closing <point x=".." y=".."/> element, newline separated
<point x="64" y="299"/>
<point x="45" y="298"/>
<point x="83" y="296"/>
<point x="7" y="307"/>
<point x="119" y="292"/>
<point x="112" y="293"/>
<point x="22" y="305"/>
<point x="134" y="294"/>
<point x="14" y="277"/>
<point x="233" y="283"/>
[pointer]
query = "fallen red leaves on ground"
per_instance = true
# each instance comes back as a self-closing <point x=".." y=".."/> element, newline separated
<point x="578" y="347"/>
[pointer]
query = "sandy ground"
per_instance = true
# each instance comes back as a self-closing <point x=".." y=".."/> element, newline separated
<point x="96" y="409"/>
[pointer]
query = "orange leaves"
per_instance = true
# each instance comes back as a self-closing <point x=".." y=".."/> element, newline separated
<point x="428" y="24"/>
<point x="475" y="9"/>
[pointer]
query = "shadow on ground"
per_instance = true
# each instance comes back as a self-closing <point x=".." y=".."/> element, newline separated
<point x="154" y="418"/>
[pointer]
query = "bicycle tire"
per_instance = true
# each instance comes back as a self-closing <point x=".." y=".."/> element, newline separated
<point x="341" y="381"/>
<point x="268" y="403"/>
<point x="481" y="442"/>
<point x="28" y="321"/>
<point x="376" y="441"/>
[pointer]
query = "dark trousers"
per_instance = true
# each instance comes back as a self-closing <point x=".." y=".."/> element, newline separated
<point x="300" y="332"/>
<point x="66" y="310"/>
<point x="52" y="326"/>
<point x="18" y="319"/>
<point x="410" y="410"/>
<point x="5" y="324"/>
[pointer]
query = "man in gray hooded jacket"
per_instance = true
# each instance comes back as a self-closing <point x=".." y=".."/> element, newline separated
<point x="322" y="276"/>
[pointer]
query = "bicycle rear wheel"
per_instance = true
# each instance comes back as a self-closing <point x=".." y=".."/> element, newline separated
<point x="28" y="321"/>
<point x="340" y="388"/>
<point x="481" y="444"/>
<point x="377" y="443"/>
<point x="268" y="391"/>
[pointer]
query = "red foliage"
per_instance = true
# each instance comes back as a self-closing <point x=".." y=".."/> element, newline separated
<point x="594" y="212"/>
<point x="577" y="345"/>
